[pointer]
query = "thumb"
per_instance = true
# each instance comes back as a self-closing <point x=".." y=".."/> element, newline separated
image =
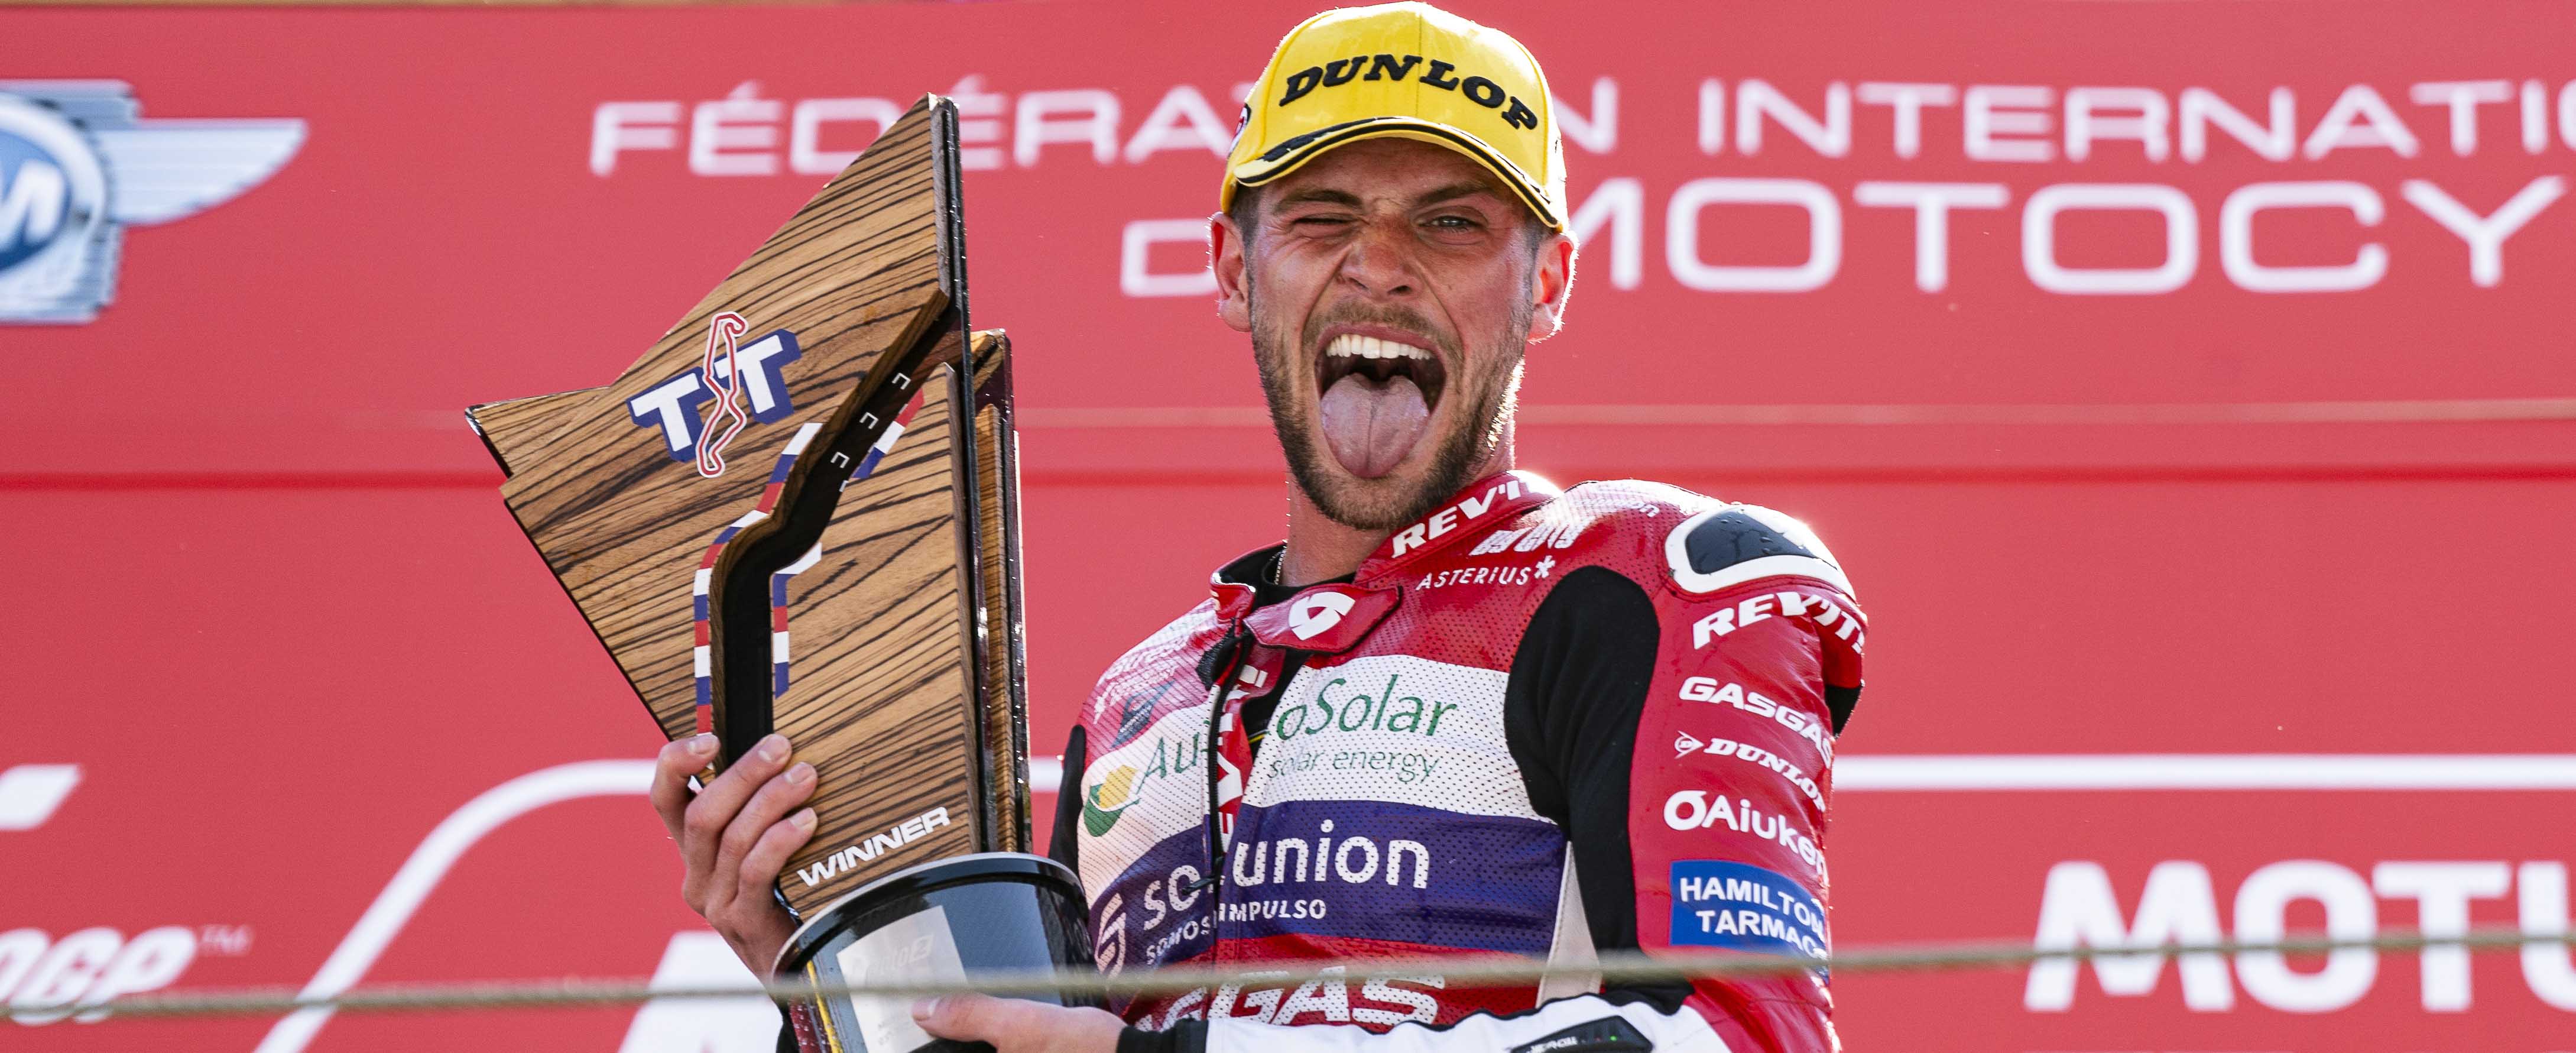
<point x="970" y="1017"/>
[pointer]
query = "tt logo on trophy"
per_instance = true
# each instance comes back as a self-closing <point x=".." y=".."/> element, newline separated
<point x="673" y="408"/>
<point x="892" y="564"/>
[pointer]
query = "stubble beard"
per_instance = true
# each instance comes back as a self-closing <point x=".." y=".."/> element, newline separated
<point x="1387" y="503"/>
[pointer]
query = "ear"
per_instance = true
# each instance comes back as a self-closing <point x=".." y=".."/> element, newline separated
<point x="1225" y="257"/>
<point x="1550" y="287"/>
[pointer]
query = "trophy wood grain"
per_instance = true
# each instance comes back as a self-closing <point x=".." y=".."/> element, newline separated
<point x="877" y="694"/>
<point x="890" y="701"/>
<point x="1004" y="688"/>
<point x="855" y="276"/>
<point x="881" y="686"/>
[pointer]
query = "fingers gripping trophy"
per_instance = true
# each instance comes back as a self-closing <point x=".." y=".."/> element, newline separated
<point x="795" y="519"/>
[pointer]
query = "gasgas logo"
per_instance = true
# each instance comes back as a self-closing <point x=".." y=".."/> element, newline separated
<point x="1707" y="689"/>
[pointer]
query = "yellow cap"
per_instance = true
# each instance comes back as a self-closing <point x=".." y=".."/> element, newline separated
<point x="1410" y="71"/>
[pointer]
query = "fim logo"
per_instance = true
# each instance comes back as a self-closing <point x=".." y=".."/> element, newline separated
<point x="78" y="165"/>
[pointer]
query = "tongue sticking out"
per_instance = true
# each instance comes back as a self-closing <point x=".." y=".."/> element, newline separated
<point x="1371" y="426"/>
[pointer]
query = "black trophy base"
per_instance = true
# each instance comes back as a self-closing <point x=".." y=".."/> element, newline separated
<point x="932" y="923"/>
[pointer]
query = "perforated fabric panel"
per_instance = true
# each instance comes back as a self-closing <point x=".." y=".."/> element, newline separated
<point x="1142" y="800"/>
<point x="1392" y="729"/>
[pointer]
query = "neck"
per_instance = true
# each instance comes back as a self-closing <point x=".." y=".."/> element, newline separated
<point x="1321" y="549"/>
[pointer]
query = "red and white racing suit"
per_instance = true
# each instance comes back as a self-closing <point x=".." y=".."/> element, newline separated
<point x="1540" y="723"/>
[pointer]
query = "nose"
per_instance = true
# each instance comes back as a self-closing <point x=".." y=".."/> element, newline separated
<point x="1380" y="261"/>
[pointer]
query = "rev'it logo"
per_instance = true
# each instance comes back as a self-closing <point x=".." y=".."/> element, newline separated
<point x="1466" y="512"/>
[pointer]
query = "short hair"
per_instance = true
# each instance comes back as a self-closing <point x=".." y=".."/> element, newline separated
<point x="1245" y="209"/>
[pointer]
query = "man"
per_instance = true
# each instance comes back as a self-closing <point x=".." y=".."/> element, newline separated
<point x="1459" y="711"/>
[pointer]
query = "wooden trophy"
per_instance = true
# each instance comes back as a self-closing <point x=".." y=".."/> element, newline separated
<point x="798" y="513"/>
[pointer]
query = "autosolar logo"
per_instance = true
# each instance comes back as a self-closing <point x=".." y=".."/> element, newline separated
<point x="78" y="165"/>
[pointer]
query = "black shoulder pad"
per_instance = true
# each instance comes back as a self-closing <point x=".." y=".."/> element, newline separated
<point x="1734" y="536"/>
<point x="1724" y="547"/>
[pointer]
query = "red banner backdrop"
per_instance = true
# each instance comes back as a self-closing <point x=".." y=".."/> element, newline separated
<point x="2177" y="378"/>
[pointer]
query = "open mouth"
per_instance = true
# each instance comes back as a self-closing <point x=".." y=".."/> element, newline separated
<point x="1376" y="392"/>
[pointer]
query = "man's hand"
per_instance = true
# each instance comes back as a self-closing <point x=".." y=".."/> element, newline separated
<point x="734" y="836"/>
<point x="1015" y="1025"/>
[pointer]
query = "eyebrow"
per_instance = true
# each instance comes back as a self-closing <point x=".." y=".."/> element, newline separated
<point x="1328" y="196"/>
<point x="1454" y="191"/>
<point x="1321" y="196"/>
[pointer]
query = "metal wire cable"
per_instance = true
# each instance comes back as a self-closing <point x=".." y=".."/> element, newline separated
<point x="2383" y="411"/>
<point x="1460" y="973"/>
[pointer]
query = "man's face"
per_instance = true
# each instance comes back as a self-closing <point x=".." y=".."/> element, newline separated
<point x="1390" y="287"/>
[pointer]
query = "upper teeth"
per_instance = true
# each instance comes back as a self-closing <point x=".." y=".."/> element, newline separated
<point x="1355" y="345"/>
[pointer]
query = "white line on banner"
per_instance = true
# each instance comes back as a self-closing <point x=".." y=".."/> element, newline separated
<point x="429" y="863"/>
<point x="2391" y="411"/>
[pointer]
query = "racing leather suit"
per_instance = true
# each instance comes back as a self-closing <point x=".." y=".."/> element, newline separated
<point x="1537" y="722"/>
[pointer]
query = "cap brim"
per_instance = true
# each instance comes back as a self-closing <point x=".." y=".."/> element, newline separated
<point x="1276" y="162"/>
